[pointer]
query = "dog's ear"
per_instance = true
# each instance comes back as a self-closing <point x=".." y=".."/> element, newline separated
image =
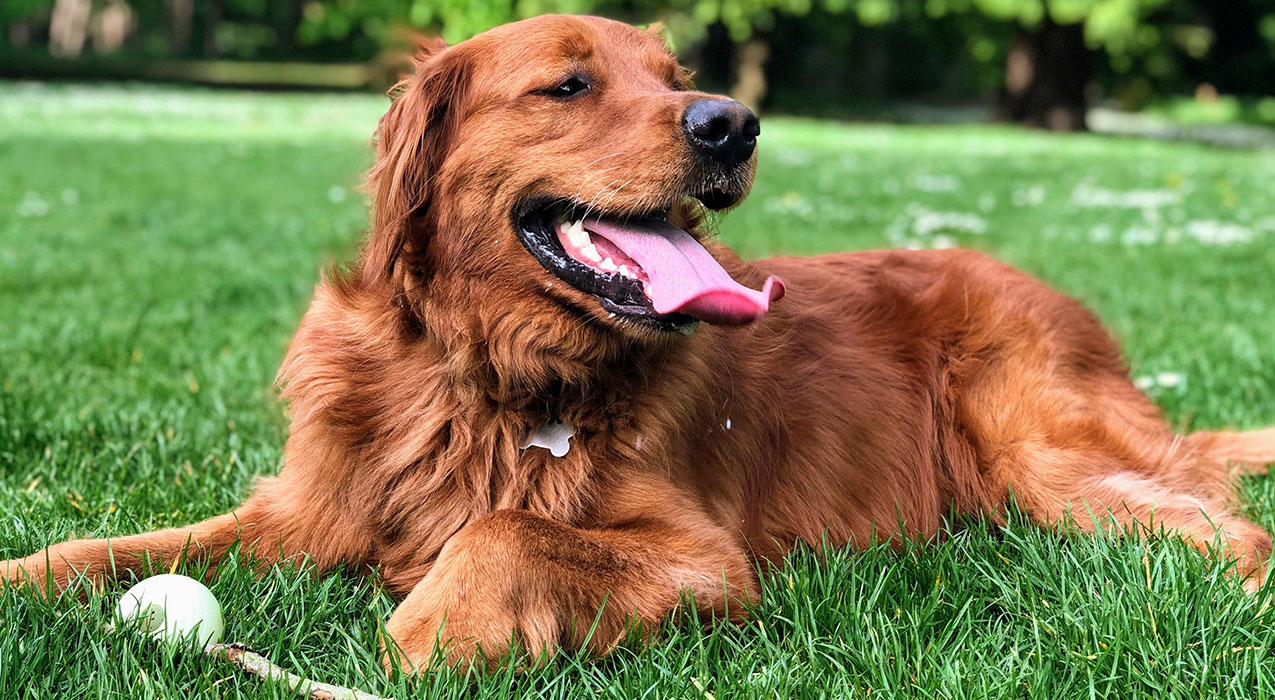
<point x="411" y="142"/>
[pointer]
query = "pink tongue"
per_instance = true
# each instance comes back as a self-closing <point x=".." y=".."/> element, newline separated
<point x="684" y="277"/>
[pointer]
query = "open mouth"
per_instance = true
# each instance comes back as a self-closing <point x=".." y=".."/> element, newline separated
<point x="640" y="267"/>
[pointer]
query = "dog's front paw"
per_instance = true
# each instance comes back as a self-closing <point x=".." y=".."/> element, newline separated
<point x="17" y="573"/>
<point x="28" y="575"/>
<point x="43" y="573"/>
<point x="480" y="632"/>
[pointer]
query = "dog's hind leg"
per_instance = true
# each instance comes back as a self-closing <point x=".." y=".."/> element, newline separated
<point x="1051" y="415"/>
<point x="1093" y="491"/>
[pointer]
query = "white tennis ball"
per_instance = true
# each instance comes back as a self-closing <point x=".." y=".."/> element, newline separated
<point x="174" y="608"/>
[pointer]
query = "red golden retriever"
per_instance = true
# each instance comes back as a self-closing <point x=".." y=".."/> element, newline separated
<point x="544" y="398"/>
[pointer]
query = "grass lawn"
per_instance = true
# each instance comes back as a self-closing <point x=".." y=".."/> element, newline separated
<point x="157" y="247"/>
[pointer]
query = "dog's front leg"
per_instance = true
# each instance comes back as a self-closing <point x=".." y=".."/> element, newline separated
<point x="56" y="567"/>
<point x="268" y="527"/>
<point x="514" y="576"/>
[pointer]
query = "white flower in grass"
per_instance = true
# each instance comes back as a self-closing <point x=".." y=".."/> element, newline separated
<point x="1029" y="196"/>
<point x="1210" y="232"/>
<point x="1160" y="380"/>
<point x="926" y="222"/>
<point x="921" y="228"/>
<point x="1139" y="235"/>
<point x="927" y="182"/>
<point x="336" y="194"/>
<point x="943" y="242"/>
<point x="32" y="205"/>
<point x="1087" y="196"/>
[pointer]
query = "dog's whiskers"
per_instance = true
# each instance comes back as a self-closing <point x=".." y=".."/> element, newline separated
<point x="609" y="155"/>
<point x="616" y="191"/>
<point x="589" y="178"/>
<point x="592" y="202"/>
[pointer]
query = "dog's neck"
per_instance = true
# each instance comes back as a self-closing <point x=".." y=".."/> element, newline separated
<point x="552" y="370"/>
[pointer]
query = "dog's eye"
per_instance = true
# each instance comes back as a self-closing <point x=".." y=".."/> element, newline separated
<point x="568" y="88"/>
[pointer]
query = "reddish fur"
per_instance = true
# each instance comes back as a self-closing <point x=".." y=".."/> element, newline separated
<point x="885" y="390"/>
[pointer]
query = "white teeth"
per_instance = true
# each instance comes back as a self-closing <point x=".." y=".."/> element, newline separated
<point x="581" y="246"/>
<point x="577" y="235"/>
<point x="646" y="289"/>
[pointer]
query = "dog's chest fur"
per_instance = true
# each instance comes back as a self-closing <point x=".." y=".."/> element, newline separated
<point x="415" y="450"/>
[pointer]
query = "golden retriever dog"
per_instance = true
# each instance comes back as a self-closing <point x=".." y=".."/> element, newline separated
<point x="545" y="399"/>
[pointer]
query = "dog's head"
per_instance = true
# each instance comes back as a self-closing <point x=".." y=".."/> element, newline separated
<point x="557" y="166"/>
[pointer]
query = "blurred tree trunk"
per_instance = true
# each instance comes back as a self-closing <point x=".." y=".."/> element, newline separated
<point x="749" y="84"/>
<point x="112" y="26"/>
<point x="181" y="17"/>
<point x="1046" y="71"/>
<point x="69" y="27"/>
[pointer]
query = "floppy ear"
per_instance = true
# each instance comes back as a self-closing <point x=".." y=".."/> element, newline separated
<point x="411" y="143"/>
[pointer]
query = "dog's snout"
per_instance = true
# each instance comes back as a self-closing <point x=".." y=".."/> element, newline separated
<point x="723" y="130"/>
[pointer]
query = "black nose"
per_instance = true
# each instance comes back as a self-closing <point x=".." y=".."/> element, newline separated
<point x="723" y="130"/>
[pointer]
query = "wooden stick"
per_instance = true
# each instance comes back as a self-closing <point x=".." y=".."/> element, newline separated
<point x="258" y="665"/>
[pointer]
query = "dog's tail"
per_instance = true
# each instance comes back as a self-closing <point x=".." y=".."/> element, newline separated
<point x="1245" y="452"/>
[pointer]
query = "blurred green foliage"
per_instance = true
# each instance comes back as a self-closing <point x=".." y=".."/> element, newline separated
<point x="835" y="52"/>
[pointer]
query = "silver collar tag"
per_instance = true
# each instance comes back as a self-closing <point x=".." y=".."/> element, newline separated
<point x="551" y="435"/>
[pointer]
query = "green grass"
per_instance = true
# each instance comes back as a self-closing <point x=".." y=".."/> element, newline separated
<point x="157" y="247"/>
